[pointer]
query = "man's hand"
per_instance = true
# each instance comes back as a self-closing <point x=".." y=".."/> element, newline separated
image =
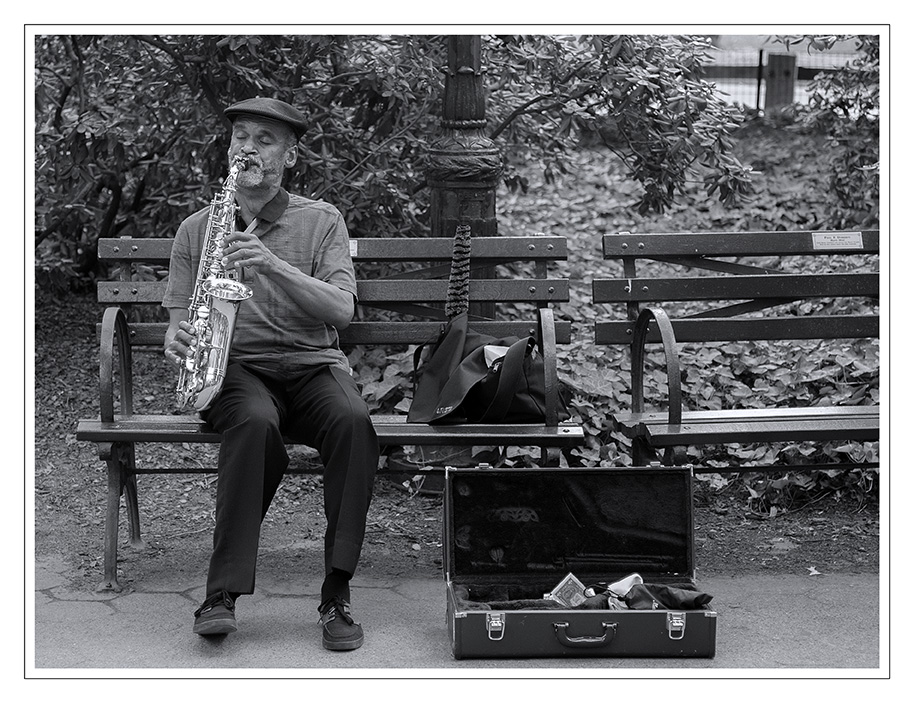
<point x="246" y="249"/>
<point x="321" y="300"/>
<point x="178" y="347"/>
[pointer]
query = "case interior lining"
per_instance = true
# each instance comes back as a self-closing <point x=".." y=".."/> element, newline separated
<point x="526" y="596"/>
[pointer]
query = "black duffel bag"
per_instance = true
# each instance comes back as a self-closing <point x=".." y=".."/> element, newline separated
<point x="470" y="377"/>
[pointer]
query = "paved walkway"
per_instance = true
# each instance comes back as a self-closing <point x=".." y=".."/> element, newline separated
<point x="796" y="622"/>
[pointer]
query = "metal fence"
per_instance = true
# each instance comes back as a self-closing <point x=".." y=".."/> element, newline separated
<point x="744" y="76"/>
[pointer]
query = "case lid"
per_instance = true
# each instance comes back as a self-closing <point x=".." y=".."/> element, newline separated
<point x="593" y="522"/>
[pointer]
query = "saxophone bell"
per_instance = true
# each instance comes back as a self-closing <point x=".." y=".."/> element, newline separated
<point x="214" y="341"/>
<point x="227" y="289"/>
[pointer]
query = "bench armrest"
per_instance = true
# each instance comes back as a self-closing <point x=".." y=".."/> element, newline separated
<point x="674" y="382"/>
<point x="547" y="344"/>
<point x="115" y="341"/>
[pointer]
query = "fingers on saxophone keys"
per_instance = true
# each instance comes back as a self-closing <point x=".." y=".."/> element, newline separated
<point x="235" y="259"/>
<point x="174" y="357"/>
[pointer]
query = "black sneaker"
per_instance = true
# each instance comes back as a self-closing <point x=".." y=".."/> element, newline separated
<point x="340" y="631"/>
<point x="216" y="616"/>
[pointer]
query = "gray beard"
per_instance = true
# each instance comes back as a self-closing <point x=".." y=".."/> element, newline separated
<point x="250" y="177"/>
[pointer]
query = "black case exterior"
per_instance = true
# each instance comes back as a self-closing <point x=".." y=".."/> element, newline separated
<point x="524" y="530"/>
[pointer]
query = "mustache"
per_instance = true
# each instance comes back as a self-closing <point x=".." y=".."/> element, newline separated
<point x="257" y="165"/>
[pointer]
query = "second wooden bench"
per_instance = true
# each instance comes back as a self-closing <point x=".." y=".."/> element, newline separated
<point x="700" y="287"/>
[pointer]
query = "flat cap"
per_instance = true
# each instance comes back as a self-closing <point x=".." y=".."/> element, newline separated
<point x="270" y="108"/>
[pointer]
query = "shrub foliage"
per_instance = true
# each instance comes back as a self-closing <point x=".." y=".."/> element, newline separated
<point x="844" y="106"/>
<point x="130" y="137"/>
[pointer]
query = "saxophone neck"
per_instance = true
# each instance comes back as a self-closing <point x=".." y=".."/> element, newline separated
<point x="239" y="163"/>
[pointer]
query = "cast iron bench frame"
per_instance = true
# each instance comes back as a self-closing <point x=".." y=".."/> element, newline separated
<point x="751" y="287"/>
<point x="413" y="300"/>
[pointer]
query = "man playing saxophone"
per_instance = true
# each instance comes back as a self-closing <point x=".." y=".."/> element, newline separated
<point x="286" y="375"/>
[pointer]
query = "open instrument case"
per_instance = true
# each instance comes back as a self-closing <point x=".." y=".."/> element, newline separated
<point x="513" y="535"/>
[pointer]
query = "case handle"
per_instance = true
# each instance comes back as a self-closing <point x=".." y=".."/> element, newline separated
<point x="561" y="633"/>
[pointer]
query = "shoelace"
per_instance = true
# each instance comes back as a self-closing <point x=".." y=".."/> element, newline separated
<point x="215" y="599"/>
<point x="338" y="607"/>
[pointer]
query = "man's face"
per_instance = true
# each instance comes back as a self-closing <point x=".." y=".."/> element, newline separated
<point x="269" y="146"/>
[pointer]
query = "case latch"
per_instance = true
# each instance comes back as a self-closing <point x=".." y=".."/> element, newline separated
<point x="675" y="625"/>
<point x="495" y="625"/>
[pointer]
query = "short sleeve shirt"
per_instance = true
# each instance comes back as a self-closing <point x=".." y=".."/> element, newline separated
<point x="272" y="333"/>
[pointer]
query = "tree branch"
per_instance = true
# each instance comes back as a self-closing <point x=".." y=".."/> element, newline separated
<point x="517" y="112"/>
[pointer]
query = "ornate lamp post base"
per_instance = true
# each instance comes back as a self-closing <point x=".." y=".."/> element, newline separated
<point x="464" y="165"/>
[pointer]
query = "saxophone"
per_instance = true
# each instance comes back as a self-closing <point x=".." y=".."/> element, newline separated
<point x="214" y="304"/>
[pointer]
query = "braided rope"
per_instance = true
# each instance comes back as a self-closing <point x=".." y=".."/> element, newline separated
<point x="458" y="289"/>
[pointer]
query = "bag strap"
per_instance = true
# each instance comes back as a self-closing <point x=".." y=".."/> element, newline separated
<point x="512" y="367"/>
<point x="417" y="355"/>
<point x="458" y="285"/>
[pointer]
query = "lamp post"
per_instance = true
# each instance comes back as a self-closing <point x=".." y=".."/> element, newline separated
<point x="463" y="164"/>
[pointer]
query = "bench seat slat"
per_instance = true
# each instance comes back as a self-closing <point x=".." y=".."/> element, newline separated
<point x="748" y="414"/>
<point x="764" y="431"/>
<point x="860" y="423"/>
<point x="391" y="430"/>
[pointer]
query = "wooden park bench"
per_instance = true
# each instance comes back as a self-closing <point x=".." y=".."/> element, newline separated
<point x="733" y="287"/>
<point x="404" y="278"/>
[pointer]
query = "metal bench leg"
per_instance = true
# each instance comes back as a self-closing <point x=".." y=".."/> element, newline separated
<point x="121" y="480"/>
<point x="109" y="453"/>
<point x="130" y="497"/>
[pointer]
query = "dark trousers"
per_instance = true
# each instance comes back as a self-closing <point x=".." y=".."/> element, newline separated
<point x="322" y="409"/>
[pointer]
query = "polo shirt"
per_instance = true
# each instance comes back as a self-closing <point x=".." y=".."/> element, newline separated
<point x="273" y="334"/>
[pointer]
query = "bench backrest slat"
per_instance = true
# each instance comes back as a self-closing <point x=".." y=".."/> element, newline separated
<point x="539" y="290"/>
<point x="531" y="248"/>
<point x="480" y="290"/>
<point x="152" y="334"/>
<point x="739" y="243"/>
<point x="750" y="282"/>
<point x="736" y="287"/>
<point x="729" y="329"/>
